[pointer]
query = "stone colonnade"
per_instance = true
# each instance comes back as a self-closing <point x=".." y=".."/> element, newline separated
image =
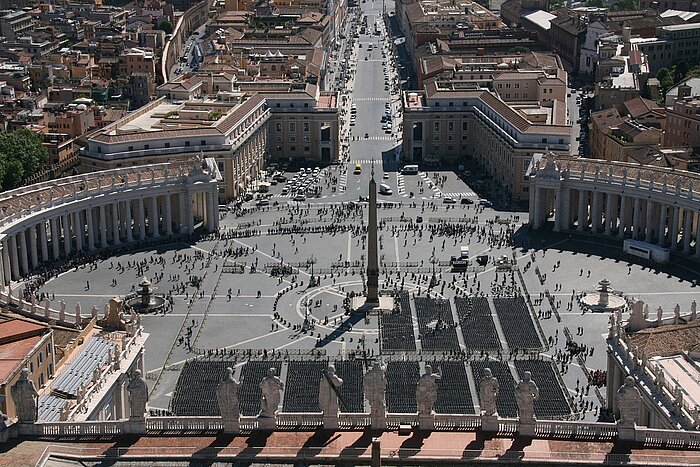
<point x="86" y="222"/>
<point x="654" y="205"/>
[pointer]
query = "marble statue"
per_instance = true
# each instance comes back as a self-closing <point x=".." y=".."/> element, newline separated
<point x="426" y="391"/>
<point x="25" y="397"/>
<point x="327" y="397"/>
<point x="526" y="393"/>
<point x="33" y="302"/>
<point x="227" y="398"/>
<point x="94" y="312"/>
<point x="374" y="385"/>
<point x="488" y="393"/>
<point x="628" y="401"/>
<point x="270" y="388"/>
<point x="138" y="395"/>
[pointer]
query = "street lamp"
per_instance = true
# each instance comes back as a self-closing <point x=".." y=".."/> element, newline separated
<point x="312" y="261"/>
<point x="433" y="279"/>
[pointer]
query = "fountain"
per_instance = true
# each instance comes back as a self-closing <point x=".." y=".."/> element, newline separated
<point x="145" y="300"/>
<point x="604" y="300"/>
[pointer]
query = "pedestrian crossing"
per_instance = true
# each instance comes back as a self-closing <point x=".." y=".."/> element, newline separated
<point x="401" y="184"/>
<point x="461" y="194"/>
<point x="377" y="162"/>
<point x="343" y="181"/>
<point x="372" y="99"/>
<point x="374" y="138"/>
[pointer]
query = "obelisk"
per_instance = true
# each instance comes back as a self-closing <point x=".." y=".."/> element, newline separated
<point x="372" y="260"/>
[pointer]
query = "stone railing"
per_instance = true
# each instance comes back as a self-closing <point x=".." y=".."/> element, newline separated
<point x="188" y="426"/>
<point x="42" y="311"/>
<point x="24" y="201"/>
<point x="653" y="179"/>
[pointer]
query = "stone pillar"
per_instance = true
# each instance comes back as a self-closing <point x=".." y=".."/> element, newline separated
<point x="687" y="228"/>
<point x="182" y="223"/>
<point x="6" y="262"/>
<point x="608" y="212"/>
<point x="539" y="206"/>
<point x="582" y="217"/>
<point x="33" y="250"/>
<point x="55" y="237"/>
<point x="661" y="234"/>
<point x="115" y="223"/>
<point x="649" y="223"/>
<point x="531" y="205"/>
<point x="595" y="211"/>
<point x="168" y="216"/>
<point x="43" y="240"/>
<point x="129" y="232"/>
<point x="212" y="212"/>
<point x="78" y="230"/>
<point x="697" y="234"/>
<point x="674" y="227"/>
<point x="635" y="219"/>
<point x="154" y="217"/>
<point x="67" y="240"/>
<point x="189" y="215"/>
<point x="90" y="221"/>
<point x="142" y="219"/>
<point x="103" y="227"/>
<point x="24" y="257"/>
<point x="623" y="216"/>
<point x="14" y="257"/>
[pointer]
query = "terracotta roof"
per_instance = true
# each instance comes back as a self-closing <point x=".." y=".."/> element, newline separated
<point x="640" y="106"/>
<point x="13" y="353"/>
<point x="670" y="339"/>
<point x="14" y="329"/>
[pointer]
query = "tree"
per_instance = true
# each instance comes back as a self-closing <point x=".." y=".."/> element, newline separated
<point x="21" y="155"/>
<point x="166" y="26"/>
<point x="680" y="69"/>
<point x="665" y="79"/>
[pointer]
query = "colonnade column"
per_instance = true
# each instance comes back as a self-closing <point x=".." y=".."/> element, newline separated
<point x="55" y="235"/>
<point x="539" y="202"/>
<point x="66" y="234"/>
<point x="168" y="216"/>
<point x="103" y="227"/>
<point x="155" y="218"/>
<point x="33" y="252"/>
<point x="115" y="223"/>
<point x="623" y="216"/>
<point x="648" y="228"/>
<point x="90" y="220"/>
<point x="582" y="218"/>
<point x="189" y="213"/>
<point x="14" y="258"/>
<point x="142" y="220"/>
<point x="78" y="230"/>
<point x="661" y="234"/>
<point x="6" y="262"/>
<point x="608" y="212"/>
<point x="181" y="213"/>
<point x="687" y="229"/>
<point x="127" y="211"/>
<point x="697" y="234"/>
<point x="212" y="214"/>
<point x="674" y="226"/>
<point x="43" y="241"/>
<point x="635" y="219"/>
<point x="24" y="257"/>
<point x="595" y="211"/>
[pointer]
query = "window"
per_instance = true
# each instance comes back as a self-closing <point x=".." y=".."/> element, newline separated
<point x="307" y="149"/>
<point x="167" y="145"/>
<point x="465" y="126"/>
<point x="278" y="105"/>
<point x="293" y="148"/>
<point x="450" y="147"/>
<point x="131" y="148"/>
<point x="292" y="127"/>
<point x="436" y="127"/>
<point x="48" y="348"/>
<point x="451" y="104"/>
<point x="450" y="126"/>
<point x="203" y="142"/>
<point x="307" y="127"/>
<point x="544" y="140"/>
<point x="40" y="358"/>
<point x="31" y="367"/>
<point x="278" y="127"/>
<point x="146" y="146"/>
<point x="306" y="105"/>
<point x="187" y="143"/>
<point x="292" y="139"/>
<point x="307" y="139"/>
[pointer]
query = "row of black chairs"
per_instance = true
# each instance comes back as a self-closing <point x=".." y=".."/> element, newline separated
<point x="516" y="321"/>
<point x="402" y="378"/>
<point x="435" y="324"/>
<point x="302" y="385"/>
<point x="352" y="390"/>
<point x="195" y="393"/>
<point x="552" y="404"/>
<point x="478" y="328"/>
<point x="454" y="395"/>
<point x="396" y="329"/>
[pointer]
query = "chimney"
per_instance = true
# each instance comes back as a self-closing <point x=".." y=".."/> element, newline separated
<point x="683" y="91"/>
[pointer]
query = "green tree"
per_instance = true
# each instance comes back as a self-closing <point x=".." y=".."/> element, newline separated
<point x="21" y="155"/>
<point x="665" y="79"/>
<point x="627" y="5"/>
<point x="166" y="26"/>
<point x="680" y="69"/>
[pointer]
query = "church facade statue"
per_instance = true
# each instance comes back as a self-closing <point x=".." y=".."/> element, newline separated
<point x="426" y="391"/>
<point x="138" y="395"/>
<point x="628" y="401"/>
<point x="25" y="397"/>
<point x="526" y="393"/>
<point x="374" y="386"/>
<point x="488" y="393"/>
<point x="270" y="388"/>
<point x="327" y="397"/>
<point x="227" y="399"/>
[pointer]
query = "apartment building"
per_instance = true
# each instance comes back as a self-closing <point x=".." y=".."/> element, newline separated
<point x="14" y="24"/>
<point x="683" y="123"/>
<point x="454" y="122"/>
<point x="672" y="44"/>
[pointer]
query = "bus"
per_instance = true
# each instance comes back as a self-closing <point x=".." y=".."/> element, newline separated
<point x="410" y="170"/>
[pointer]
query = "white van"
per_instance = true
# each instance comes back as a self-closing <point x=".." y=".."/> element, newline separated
<point x="410" y="170"/>
<point x="385" y="189"/>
